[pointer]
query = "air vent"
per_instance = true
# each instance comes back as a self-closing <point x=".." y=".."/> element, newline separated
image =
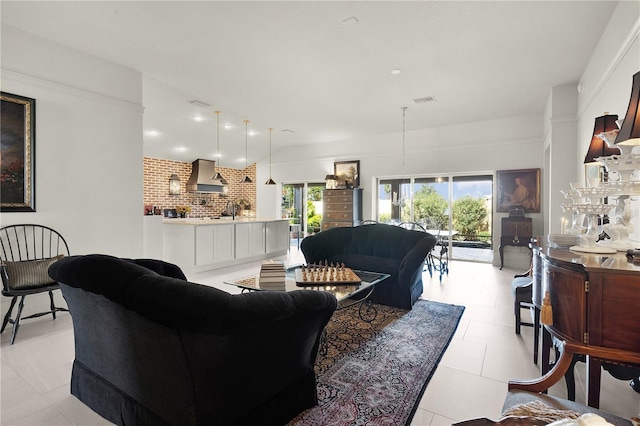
<point x="198" y="103"/>
<point x="425" y="100"/>
<point x="288" y="130"/>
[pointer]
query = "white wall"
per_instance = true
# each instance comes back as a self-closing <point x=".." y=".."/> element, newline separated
<point x="482" y="147"/>
<point x="88" y="147"/>
<point x="606" y="81"/>
<point x="560" y="147"/>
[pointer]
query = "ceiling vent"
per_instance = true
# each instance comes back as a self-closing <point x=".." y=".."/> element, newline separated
<point x="198" y="103"/>
<point x="425" y="100"/>
<point x="288" y="130"/>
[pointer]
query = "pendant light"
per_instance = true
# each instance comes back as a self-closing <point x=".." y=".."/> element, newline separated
<point x="217" y="175"/>
<point x="270" y="181"/>
<point x="246" y="178"/>
<point x="396" y="199"/>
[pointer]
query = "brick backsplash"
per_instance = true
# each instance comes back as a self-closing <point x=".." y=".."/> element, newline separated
<point x="156" y="188"/>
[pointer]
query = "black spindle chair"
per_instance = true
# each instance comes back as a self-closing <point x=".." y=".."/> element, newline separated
<point x="26" y="252"/>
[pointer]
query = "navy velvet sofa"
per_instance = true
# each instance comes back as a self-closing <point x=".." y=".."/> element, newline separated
<point x="154" y="349"/>
<point x="378" y="248"/>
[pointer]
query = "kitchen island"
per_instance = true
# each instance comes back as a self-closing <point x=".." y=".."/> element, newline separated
<point x="203" y="244"/>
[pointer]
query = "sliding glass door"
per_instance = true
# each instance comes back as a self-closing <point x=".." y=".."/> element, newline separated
<point x="456" y="208"/>
<point x="302" y="205"/>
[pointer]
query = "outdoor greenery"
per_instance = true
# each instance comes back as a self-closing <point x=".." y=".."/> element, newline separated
<point x="430" y="207"/>
<point x="314" y="193"/>
<point x="313" y="219"/>
<point x="470" y="216"/>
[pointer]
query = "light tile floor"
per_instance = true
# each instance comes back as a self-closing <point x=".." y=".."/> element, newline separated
<point x="471" y="380"/>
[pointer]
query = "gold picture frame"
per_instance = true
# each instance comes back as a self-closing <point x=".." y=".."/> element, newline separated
<point x="519" y="188"/>
<point x="17" y="156"/>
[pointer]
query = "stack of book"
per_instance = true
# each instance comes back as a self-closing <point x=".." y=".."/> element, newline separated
<point x="272" y="275"/>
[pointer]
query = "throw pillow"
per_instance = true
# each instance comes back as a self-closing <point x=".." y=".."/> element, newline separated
<point x="29" y="273"/>
<point x="539" y="411"/>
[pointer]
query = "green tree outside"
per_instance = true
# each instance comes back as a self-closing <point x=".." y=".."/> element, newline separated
<point x="313" y="219"/>
<point x="430" y="207"/>
<point x="314" y="193"/>
<point x="470" y="216"/>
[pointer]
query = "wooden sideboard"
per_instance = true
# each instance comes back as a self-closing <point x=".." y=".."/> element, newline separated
<point x="515" y="231"/>
<point x="595" y="305"/>
<point x="341" y="207"/>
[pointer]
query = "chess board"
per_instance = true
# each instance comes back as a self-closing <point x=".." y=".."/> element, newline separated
<point x="326" y="276"/>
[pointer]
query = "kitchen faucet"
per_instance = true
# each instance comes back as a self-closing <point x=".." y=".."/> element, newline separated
<point x="233" y="208"/>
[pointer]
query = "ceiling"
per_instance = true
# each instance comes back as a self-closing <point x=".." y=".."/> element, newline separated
<point x="322" y="69"/>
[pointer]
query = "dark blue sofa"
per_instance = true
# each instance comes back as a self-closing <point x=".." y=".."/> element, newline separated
<point x="378" y="248"/>
<point x="154" y="349"/>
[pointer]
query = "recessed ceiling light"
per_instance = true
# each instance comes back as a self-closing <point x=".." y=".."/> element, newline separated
<point x="228" y="126"/>
<point x="425" y="100"/>
<point x="181" y="148"/>
<point x="152" y="133"/>
<point x="198" y="118"/>
<point x="396" y="71"/>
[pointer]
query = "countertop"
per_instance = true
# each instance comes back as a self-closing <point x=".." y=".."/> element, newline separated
<point x="589" y="261"/>
<point x="222" y="221"/>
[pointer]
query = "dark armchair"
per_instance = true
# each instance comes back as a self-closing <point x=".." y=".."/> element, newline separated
<point x="153" y="349"/>
<point x="378" y="248"/>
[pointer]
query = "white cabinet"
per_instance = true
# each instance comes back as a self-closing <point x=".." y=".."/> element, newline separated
<point x="214" y="243"/>
<point x="223" y="242"/>
<point x="277" y="235"/>
<point x="204" y="245"/>
<point x="197" y="246"/>
<point x="249" y="239"/>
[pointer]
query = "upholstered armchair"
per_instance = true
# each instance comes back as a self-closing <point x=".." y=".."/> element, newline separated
<point x="378" y="248"/>
<point x="152" y="348"/>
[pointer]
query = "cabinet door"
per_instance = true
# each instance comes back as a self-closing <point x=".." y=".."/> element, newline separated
<point x="277" y="234"/>
<point x="256" y="238"/>
<point x="613" y="311"/>
<point x="204" y="245"/>
<point x="223" y="242"/>
<point x="568" y="300"/>
<point x="243" y="232"/>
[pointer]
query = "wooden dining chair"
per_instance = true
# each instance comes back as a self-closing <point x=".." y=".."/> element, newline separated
<point x="26" y="252"/>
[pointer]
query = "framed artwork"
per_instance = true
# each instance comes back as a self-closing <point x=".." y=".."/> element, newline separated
<point x="347" y="173"/>
<point x="518" y="188"/>
<point x="17" y="155"/>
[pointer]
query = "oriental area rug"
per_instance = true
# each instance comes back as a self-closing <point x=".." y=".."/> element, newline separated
<point x="375" y="373"/>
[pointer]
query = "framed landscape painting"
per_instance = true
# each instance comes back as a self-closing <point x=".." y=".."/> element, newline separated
<point x="17" y="162"/>
<point x="518" y="188"/>
<point x="347" y="173"/>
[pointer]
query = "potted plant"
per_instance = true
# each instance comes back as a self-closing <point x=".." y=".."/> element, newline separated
<point x="183" y="210"/>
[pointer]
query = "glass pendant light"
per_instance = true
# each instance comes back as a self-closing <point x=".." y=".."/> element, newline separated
<point x="246" y="178"/>
<point x="270" y="181"/>
<point x="217" y="175"/>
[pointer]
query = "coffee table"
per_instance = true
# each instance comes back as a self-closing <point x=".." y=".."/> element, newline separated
<point x="344" y="293"/>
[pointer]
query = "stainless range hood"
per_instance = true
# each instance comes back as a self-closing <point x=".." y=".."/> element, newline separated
<point x="201" y="179"/>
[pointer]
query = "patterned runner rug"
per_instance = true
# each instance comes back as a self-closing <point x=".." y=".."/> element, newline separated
<point x="375" y="374"/>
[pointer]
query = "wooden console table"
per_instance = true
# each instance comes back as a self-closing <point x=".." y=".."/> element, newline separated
<point x="517" y="232"/>
<point x="594" y="299"/>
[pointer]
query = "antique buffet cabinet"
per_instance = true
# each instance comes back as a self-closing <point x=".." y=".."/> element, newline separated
<point x="592" y="302"/>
